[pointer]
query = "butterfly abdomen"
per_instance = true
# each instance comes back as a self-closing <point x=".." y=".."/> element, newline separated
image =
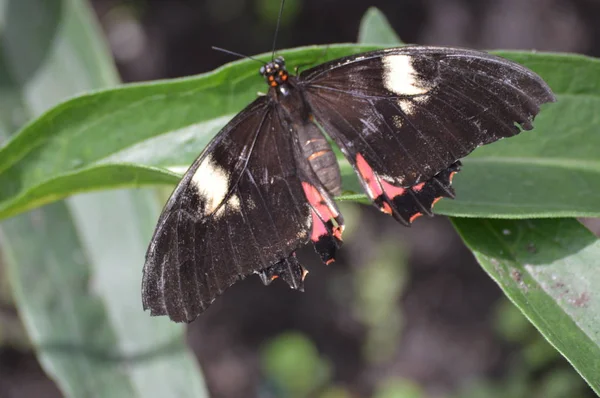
<point x="321" y="157"/>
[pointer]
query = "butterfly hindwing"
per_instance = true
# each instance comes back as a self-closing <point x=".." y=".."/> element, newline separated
<point x="316" y="177"/>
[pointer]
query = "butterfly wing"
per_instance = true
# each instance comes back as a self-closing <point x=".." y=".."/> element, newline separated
<point x="404" y="116"/>
<point x="239" y="209"/>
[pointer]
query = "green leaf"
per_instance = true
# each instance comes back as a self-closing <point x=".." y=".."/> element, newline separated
<point x="376" y="29"/>
<point x="116" y="138"/>
<point x="549" y="269"/>
<point x="75" y="266"/>
<point x="554" y="170"/>
<point x="149" y="133"/>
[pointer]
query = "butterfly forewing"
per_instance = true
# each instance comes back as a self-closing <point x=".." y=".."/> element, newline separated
<point x="239" y="209"/>
<point x="413" y="111"/>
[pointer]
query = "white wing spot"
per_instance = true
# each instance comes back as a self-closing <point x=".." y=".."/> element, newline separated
<point x="400" y="77"/>
<point x="212" y="183"/>
<point x="398" y="121"/>
<point x="407" y="107"/>
<point x="233" y="204"/>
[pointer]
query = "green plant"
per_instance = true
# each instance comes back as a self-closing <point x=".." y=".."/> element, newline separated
<point x="74" y="265"/>
<point x="515" y="207"/>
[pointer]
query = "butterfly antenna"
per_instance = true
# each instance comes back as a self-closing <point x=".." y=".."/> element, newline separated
<point x="277" y="28"/>
<point x="237" y="54"/>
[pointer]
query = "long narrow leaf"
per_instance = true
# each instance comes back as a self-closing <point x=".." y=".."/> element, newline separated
<point x="549" y="269"/>
<point x="75" y="267"/>
<point x="117" y="138"/>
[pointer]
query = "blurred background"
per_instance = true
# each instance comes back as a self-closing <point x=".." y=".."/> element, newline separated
<point x="403" y="312"/>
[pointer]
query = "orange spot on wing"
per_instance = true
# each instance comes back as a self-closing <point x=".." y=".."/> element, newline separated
<point x="274" y="277"/>
<point x="330" y="261"/>
<point x="451" y="176"/>
<point x="386" y="208"/>
<point x="273" y="84"/>
<point x="304" y="273"/>
<point x="337" y="233"/>
<point x="415" y="216"/>
<point x="436" y="200"/>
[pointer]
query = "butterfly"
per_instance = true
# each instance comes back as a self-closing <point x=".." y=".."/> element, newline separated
<point x="266" y="184"/>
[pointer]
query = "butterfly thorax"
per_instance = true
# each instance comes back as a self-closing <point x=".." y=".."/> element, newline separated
<point x="295" y="114"/>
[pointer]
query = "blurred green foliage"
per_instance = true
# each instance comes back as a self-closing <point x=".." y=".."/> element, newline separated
<point x="268" y="11"/>
<point x="397" y="388"/>
<point x="378" y="285"/>
<point x="292" y="364"/>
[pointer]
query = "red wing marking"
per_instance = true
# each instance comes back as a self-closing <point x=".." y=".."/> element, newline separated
<point x="391" y="190"/>
<point x="418" y="187"/>
<point x="318" y="228"/>
<point x="317" y="201"/>
<point x="394" y="200"/>
<point x="376" y="185"/>
<point x="386" y="208"/>
<point x="327" y="224"/>
<point x="368" y="176"/>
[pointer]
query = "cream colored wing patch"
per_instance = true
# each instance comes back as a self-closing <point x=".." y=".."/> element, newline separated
<point x="212" y="183"/>
<point x="400" y="77"/>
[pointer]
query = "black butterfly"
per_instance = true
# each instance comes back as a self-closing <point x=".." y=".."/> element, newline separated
<point x="264" y="186"/>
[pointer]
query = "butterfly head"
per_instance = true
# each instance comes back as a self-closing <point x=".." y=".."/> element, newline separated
<point x="274" y="72"/>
